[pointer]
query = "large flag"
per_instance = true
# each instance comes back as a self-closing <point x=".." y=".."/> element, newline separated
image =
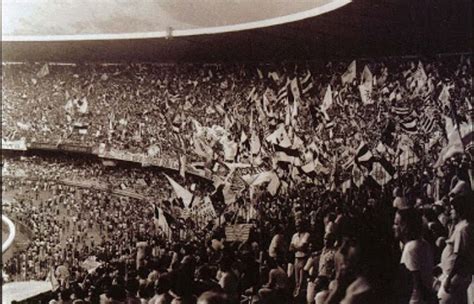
<point x="327" y="101"/>
<point x="350" y="74"/>
<point x="181" y="192"/>
<point x="44" y="71"/>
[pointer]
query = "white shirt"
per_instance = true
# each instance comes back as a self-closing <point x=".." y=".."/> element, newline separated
<point x="298" y="240"/>
<point x="418" y="256"/>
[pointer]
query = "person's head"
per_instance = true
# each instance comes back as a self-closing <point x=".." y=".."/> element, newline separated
<point x="407" y="224"/>
<point x="329" y="239"/>
<point x="463" y="206"/>
<point x="212" y="297"/>
<point x="163" y="284"/>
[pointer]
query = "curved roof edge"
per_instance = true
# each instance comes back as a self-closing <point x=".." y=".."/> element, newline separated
<point x="333" y="5"/>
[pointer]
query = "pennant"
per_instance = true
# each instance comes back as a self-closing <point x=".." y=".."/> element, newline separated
<point x="43" y="72"/>
<point x="327" y="101"/>
<point x="181" y="192"/>
<point x="365" y="90"/>
<point x="350" y="74"/>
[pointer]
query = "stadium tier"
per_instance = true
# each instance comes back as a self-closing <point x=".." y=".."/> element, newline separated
<point x="335" y="149"/>
<point x="237" y="152"/>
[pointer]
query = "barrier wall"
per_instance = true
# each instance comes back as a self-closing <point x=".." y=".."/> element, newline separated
<point x="11" y="231"/>
<point x="102" y="153"/>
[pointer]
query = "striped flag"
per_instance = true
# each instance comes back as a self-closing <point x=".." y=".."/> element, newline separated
<point x="427" y="123"/>
<point x="307" y="84"/>
<point x="283" y="93"/>
<point x="410" y="125"/>
<point x="401" y="111"/>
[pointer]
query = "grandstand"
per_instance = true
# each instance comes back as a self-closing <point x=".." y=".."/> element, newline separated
<point x="302" y="152"/>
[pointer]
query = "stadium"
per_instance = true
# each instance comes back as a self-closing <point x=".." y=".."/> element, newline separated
<point x="310" y="151"/>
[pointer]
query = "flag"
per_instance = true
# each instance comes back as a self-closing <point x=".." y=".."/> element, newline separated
<point x="279" y="137"/>
<point x="253" y="95"/>
<point x="81" y="128"/>
<point x="420" y="76"/>
<point x="182" y="165"/>
<point x="444" y="97"/>
<point x="427" y="123"/>
<point x="51" y="277"/>
<point x="243" y="137"/>
<point x="283" y="93"/>
<point x="350" y="74"/>
<point x="363" y="153"/>
<point x="161" y="221"/>
<point x="410" y="125"/>
<point x="365" y="91"/>
<point x="366" y="76"/>
<point x="346" y="185"/>
<point x="380" y="174"/>
<point x="255" y="143"/>
<point x="260" y="74"/>
<point x="407" y="158"/>
<point x="295" y="90"/>
<point x="401" y="111"/>
<point x="274" y="76"/>
<point x="83" y="105"/>
<point x="357" y="176"/>
<point x="327" y="101"/>
<point x="44" y="71"/>
<point x="230" y="148"/>
<point x="307" y="84"/>
<point x="181" y="192"/>
<point x="365" y="88"/>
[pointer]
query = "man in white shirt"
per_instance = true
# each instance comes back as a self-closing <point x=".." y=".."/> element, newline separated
<point x="299" y="245"/>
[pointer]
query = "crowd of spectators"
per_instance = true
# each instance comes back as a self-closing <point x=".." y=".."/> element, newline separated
<point x="408" y="239"/>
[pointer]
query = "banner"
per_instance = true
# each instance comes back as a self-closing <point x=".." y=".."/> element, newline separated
<point x="42" y="146"/>
<point x="238" y="233"/>
<point x="204" y="211"/>
<point x="17" y="145"/>
<point x="75" y="148"/>
<point x="123" y="155"/>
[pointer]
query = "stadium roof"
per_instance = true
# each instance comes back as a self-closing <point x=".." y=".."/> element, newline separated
<point x="222" y="30"/>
